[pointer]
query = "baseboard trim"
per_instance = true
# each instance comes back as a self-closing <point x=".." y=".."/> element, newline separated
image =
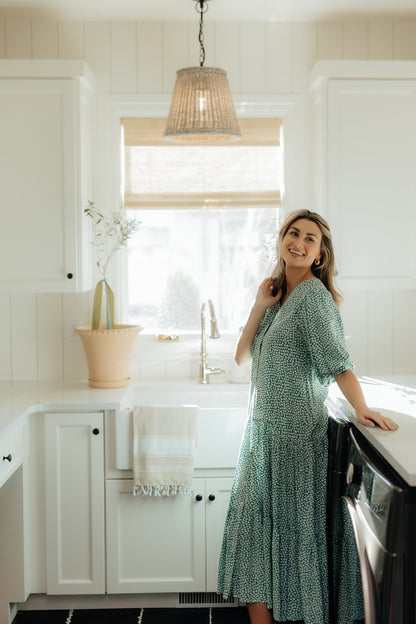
<point x="43" y="602"/>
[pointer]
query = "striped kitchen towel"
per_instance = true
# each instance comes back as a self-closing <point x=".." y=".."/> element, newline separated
<point x="163" y="449"/>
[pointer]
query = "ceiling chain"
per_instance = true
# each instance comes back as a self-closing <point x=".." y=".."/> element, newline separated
<point x="202" y="7"/>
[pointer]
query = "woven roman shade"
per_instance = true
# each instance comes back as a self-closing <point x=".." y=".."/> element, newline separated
<point x="161" y="175"/>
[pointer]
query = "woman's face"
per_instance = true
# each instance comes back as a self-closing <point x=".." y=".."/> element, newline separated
<point x="302" y="244"/>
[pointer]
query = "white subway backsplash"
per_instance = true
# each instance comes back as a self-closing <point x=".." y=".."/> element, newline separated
<point x="379" y="344"/>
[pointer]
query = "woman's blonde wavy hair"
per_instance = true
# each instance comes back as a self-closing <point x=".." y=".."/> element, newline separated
<point x="325" y="270"/>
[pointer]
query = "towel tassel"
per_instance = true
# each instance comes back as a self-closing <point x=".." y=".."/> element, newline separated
<point x="162" y="490"/>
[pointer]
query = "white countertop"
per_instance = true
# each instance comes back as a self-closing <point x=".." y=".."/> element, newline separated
<point x="397" y="401"/>
<point x="20" y="398"/>
<point x="394" y="396"/>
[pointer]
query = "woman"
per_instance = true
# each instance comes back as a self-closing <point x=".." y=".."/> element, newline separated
<point x="274" y="549"/>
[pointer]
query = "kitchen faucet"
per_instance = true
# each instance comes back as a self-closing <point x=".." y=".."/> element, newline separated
<point x="204" y="369"/>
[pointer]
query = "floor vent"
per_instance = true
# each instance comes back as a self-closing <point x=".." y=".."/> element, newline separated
<point x="204" y="599"/>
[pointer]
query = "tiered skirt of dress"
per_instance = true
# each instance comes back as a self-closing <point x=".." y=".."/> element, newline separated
<point x="274" y="547"/>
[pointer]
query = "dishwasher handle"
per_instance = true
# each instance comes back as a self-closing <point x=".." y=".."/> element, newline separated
<point x="371" y="602"/>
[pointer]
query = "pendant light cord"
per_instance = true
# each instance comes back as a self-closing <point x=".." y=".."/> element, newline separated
<point x="202" y="109"/>
<point x="201" y="6"/>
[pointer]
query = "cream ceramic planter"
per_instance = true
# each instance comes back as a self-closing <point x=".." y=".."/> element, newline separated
<point x="108" y="353"/>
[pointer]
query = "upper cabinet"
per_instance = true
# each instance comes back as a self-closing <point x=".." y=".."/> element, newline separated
<point x="364" y="155"/>
<point x="45" y="129"/>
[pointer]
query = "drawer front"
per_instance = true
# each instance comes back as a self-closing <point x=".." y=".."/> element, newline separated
<point x="11" y="453"/>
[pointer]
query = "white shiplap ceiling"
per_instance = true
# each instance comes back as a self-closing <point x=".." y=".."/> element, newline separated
<point x="219" y="10"/>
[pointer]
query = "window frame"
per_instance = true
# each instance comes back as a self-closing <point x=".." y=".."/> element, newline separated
<point x="108" y="194"/>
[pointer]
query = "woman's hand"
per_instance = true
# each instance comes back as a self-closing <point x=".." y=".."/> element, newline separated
<point x="351" y="389"/>
<point x="370" y="418"/>
<point x="264" y="297"/>
<point x="264" y="300"/>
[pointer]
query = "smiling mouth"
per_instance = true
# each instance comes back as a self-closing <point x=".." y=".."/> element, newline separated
<point x="297" y="253"/>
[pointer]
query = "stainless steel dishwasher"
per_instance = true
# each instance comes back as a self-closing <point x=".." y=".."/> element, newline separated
<point x="369" y="500"/>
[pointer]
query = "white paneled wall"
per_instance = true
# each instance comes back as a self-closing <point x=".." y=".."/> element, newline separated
<point x="380" y="332"/>
<point x="71" y="40"/>
<point x="6" y="346"/>
<point x="149" y="75"/>
<point x="404" y="331"/>
<point x="24" y="336"/>
<point x="74" y="307"/>
<point x="49" y="336"/>
<point x="98" y="53"/>
<point x="18" y="37"/>
<point x="44" y="39"/>
<point x="2" y="38"/>
<point x="140" y="57"/>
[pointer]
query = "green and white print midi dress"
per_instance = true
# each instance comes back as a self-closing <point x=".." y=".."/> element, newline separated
<point x="274" y="545"/>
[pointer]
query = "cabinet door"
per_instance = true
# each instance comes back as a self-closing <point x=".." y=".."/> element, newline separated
<point x="371" y="181"/>
<point x="74" y="464"/>
<point x="154" y="544"/>
<point x="40" y="192"/>
<point x="218" y="492"/>
<point x="13" y="521"/>
<point x="12" y="543"/>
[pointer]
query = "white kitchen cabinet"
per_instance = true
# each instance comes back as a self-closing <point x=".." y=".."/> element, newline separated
<point x="45" y="175"/>
<point x="164" y="544"/>
<point x="154" y="544"/>
<point x="74" y="483"/>
<point x="12" y="451"/>
<point x="12" y="544"/>
<point x="365" y="149"/>
<point x="13" y="533"/>
<point x="216" y="511"/>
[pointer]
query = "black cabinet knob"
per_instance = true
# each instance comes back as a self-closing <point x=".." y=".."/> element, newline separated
<point x="96" y="431"/>
<point x="70" y="275"/>
<point x="198" y="497"/>
<point x="8" y="457"/>
<point x="211" y="497"/>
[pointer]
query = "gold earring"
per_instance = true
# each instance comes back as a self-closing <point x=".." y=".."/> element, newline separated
<point x="317" y="261"/>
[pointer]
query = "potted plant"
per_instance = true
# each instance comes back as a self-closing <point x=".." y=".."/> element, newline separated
<point x="108" y="347"/>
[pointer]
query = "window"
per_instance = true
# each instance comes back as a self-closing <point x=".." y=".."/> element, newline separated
<point x="208" y="224"/>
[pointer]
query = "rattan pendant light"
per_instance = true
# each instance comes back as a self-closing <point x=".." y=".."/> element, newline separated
<point x="202" y="110"/>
